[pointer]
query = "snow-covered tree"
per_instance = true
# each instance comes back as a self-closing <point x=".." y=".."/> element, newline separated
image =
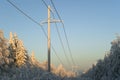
<point x="5" y="60"/>
<point x="33" y="57"/>
<point x="34" y="61"/>
<point x="18" y="52"/>
<point x="109" y="67"/>
<point x="60" y="71"/>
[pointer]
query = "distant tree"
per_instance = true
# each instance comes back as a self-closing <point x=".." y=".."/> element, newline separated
<point x="33" y="60"/>
<point x="33" y="57"/>
<point x="60" y="71"/>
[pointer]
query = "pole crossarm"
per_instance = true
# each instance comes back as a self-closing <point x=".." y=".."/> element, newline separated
<point x="51" y="21"/>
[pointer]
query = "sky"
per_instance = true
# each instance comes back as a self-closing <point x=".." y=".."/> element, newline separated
<point x="90" y="25"/>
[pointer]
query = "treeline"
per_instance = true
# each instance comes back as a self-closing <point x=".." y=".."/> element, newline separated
<point x="16" y="64"/>
<point x="109" y="67"/>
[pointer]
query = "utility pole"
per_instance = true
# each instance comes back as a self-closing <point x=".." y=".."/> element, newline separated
<point x="49" y="41"/>
<point x="49" y="20"/>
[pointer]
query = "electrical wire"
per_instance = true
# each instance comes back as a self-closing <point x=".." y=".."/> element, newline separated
<point x="27" y="16"/>
<point x="64" y="32"/>
<point x="62" y="44"/>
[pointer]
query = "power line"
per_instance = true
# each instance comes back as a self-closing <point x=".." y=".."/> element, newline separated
<point x="64" y="32"/>
<point x="45" y="4"/>
<point x="62" y="43"/>
<point x="57" y="55"/>
<point x="27" y="16"/>
<point x="58" y="34"/>
<point x="35" y="23"/>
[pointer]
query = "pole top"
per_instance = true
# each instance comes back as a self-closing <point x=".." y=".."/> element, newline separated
<point x="48" y="6"/>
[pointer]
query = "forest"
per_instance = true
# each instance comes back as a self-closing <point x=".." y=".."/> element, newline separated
<point x="17" y="64"/>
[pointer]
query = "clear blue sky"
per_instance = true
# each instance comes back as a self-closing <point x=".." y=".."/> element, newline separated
<point x="90" y="25"/>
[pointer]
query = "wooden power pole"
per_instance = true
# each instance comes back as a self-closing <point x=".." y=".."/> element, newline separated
<point x="49" y="20"/>
<point x="49" y="41"/>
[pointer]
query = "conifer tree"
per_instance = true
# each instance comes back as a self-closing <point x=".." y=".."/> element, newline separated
<point x="5" y="60"/>
<point x="18" y="52"/>
<point x="33" y="60"/>
<point x="60" y="71"/>
<point x="32" y="57"/>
